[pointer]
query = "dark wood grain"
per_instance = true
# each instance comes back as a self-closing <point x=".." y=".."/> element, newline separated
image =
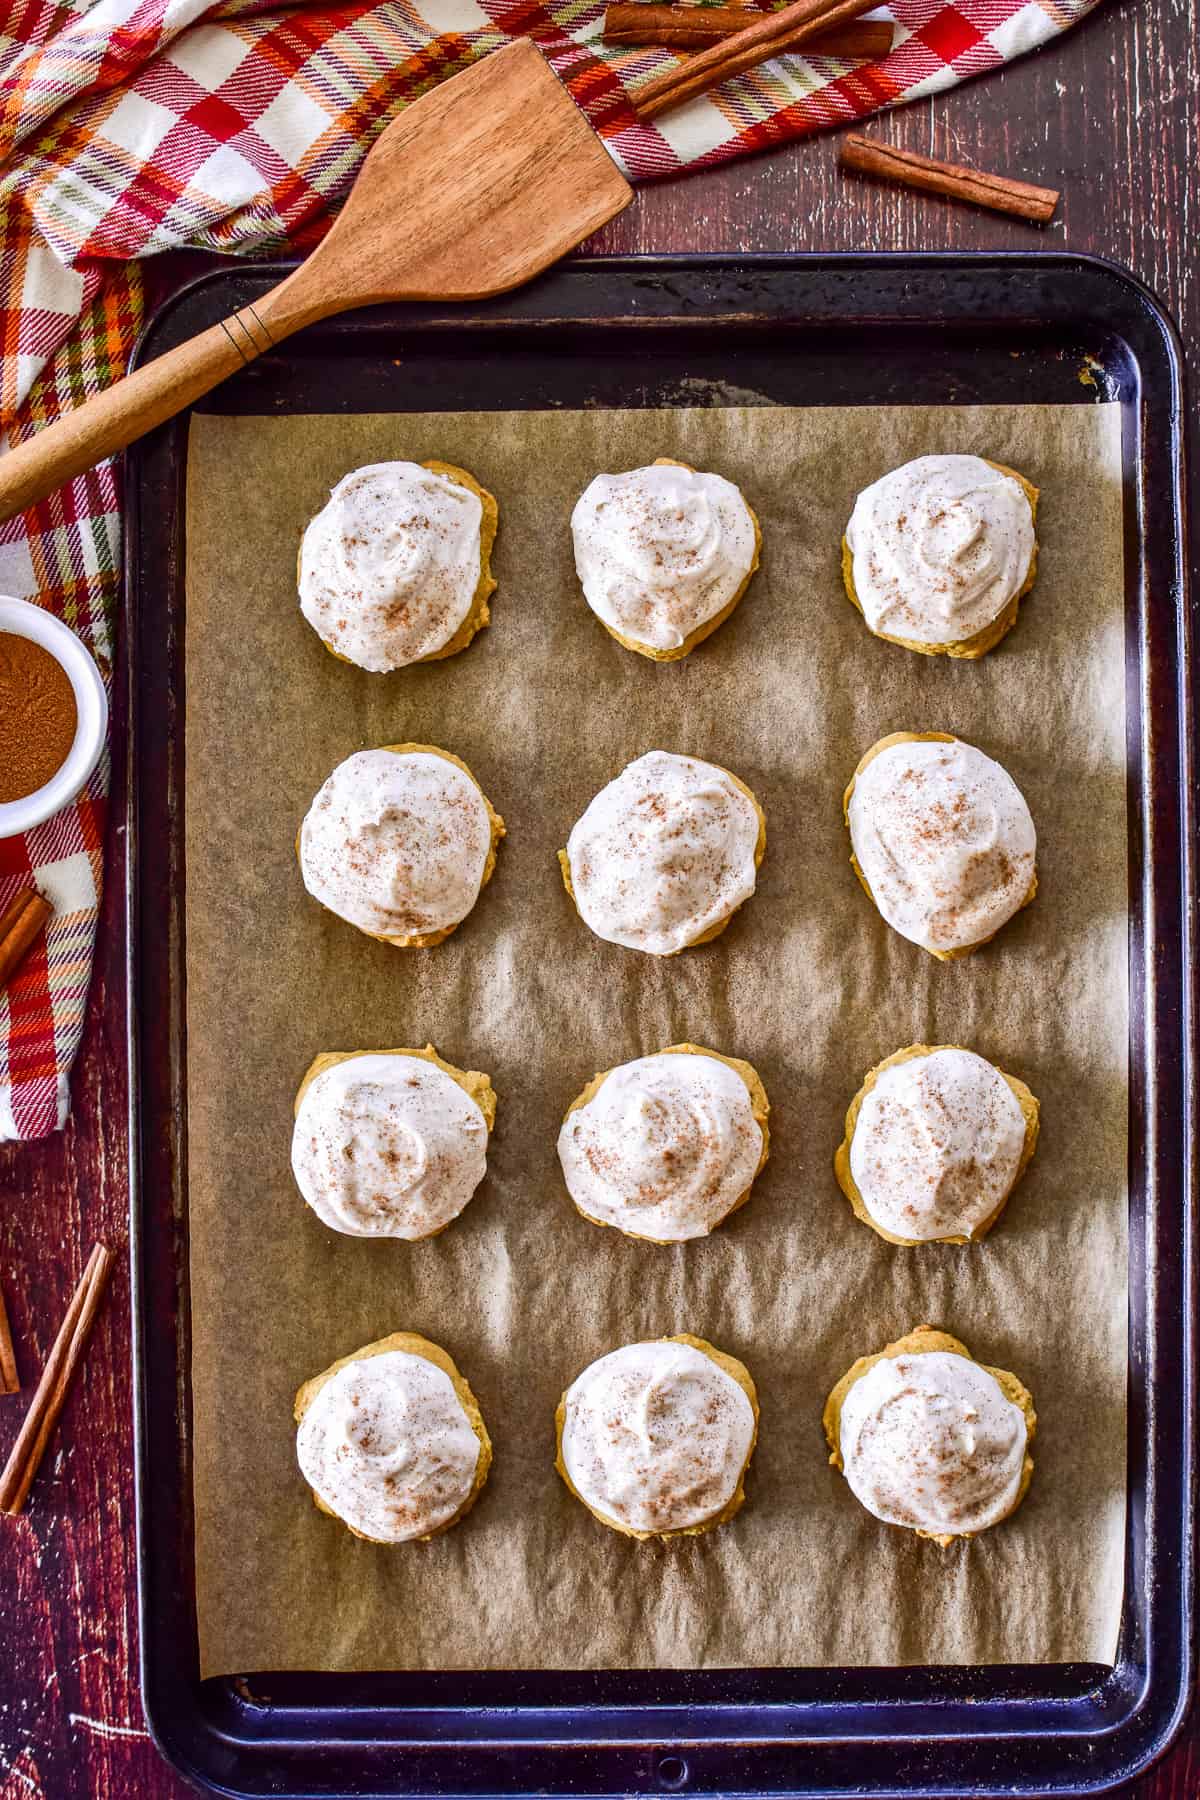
<point x="1110" y="116"/>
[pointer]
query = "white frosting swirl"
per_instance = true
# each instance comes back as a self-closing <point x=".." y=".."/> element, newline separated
<point x="396" y="843"/>
<point x="931" y="1441"/>
<point x="664" y="1148"/>
<point x="390" y="565"/>
<point x="663" y="853"/>
<point x="388" y="1446"/>
<point x="655" y="1436"/>
<point x="661" y="550"/>
<point x="939" y="548"/>
<point x="388" y="1146"/>
<point x="937" y="1145"/>
<point x="944" y="838"/>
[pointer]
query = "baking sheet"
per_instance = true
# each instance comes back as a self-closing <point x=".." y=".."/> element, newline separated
<point x="808" y="983"/>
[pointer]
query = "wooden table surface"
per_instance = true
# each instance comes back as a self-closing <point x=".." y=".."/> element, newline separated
<point x="1109" y="114"/>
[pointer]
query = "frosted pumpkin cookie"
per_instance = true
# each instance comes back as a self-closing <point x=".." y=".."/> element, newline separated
<point x="667" y="1146"/>
<point x="399" y="842"/>
<point x="390" y="1143"/>
<point x="655" y="1438"/>
<point x="936" y="1141"/>
<point x="939" y="553"/>
<point x="663" y="555"/>
<point x="930" y="1439"/>
<point x="665" y="854"/>
<point x="391" y="1440"/>
<point x="396" y="567"/>
<point x="941" y="839"/>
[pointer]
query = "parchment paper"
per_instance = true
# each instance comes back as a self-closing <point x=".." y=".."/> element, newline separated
<point x="808" y="983"/>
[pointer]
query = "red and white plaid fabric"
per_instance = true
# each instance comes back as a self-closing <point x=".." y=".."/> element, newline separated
<point x="133" y="126"/>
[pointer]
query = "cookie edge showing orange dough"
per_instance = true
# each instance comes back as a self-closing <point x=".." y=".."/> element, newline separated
<point x="973" y="647"/>
<point x="1026" y="1100"/>
<point x="917" y="1342"/>
<point x="478" y="613"/>
<point x="415" y="1345"/>
<point x="760" y="850"/>
<point x="718" y="619"/>
<point x="868" y="756"/>
<point x="427" y="940"/>
<point x="732" y="1367"/>
<point x="760" y="1107"/>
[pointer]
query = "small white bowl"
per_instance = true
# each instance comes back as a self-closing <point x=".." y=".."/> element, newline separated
<point x="28" y="621"/>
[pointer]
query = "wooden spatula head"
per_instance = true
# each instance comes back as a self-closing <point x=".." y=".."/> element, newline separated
<point x="473" y="189"/>
<point x="476" y="187"/>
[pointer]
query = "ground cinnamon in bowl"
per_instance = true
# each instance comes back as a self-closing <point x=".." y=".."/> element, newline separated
<point x="38" y="716"/>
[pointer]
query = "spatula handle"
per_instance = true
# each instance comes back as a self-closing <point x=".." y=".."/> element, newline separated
<point x="108" y="421"/>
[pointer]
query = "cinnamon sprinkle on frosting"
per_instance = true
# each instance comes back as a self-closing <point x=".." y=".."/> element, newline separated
<point x="656" y="1436"/>
<point x="930" y="1440"/>
<point x="664" y="1149"/>
<point x="390" y="565"/>
<point x="663" y="853"/>
<point x="387" y="1445"/>
<point x="939" y="548"/>
<point x="937" y="1145"/>
<point x="388" y="1146"/>
<point x="661" y="550"/>
<point x="945" y="842"/>
<point x="397" y="842"/>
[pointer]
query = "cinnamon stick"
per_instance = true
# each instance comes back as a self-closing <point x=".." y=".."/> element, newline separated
<point x="20" y="923"/>
<point x="11" y="913"/>
<point x="771" y="33"/>
<point x="54" y="1386"/>
<point x="691" y="27"/>
<point x="10" y="1380"/>
<point x="953" y="180"/>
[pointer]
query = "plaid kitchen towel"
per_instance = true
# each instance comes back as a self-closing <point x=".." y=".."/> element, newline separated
<point x="133" y="126"/>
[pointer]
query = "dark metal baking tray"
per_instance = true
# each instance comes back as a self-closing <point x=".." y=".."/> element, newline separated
<point x="861" y="330"/>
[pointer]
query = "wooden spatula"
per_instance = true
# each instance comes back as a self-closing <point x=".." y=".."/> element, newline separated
<point x="473" y="189"/>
